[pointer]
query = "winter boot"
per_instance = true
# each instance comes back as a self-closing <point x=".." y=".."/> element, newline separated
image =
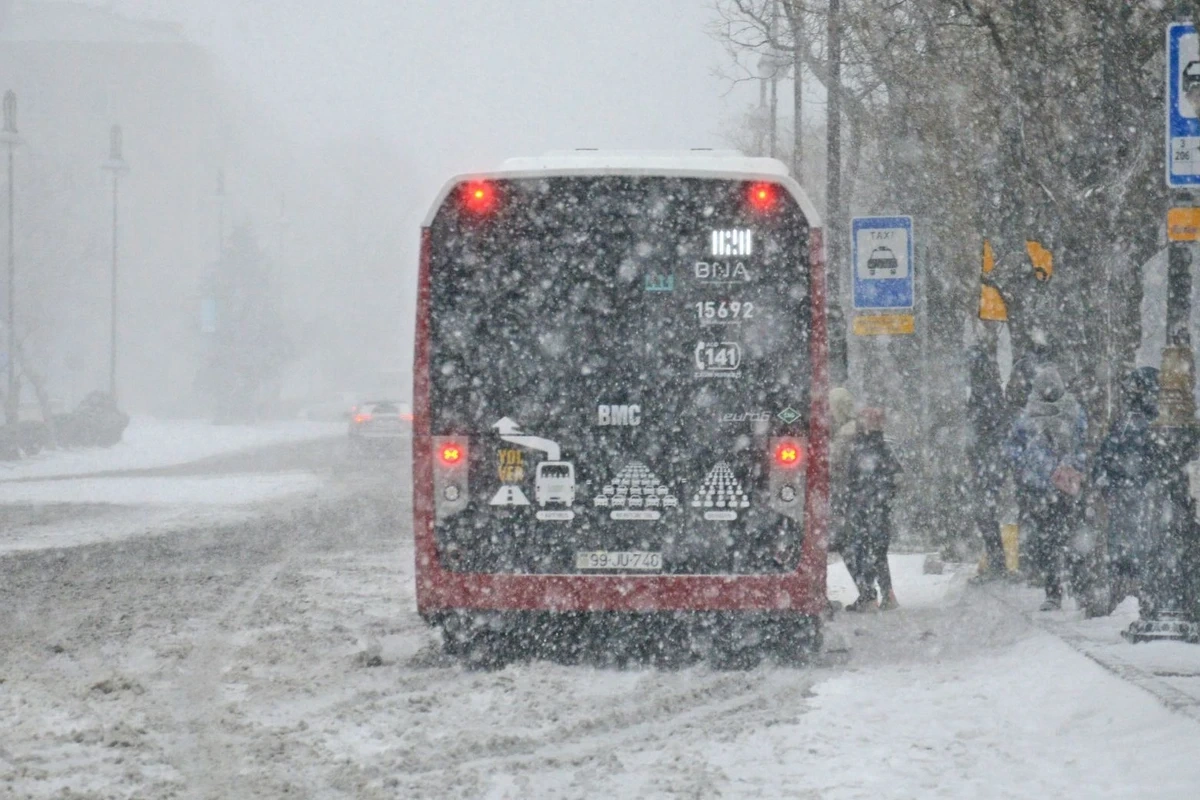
<point x="889" y="603"/>
<point x="863" y="603"/>
<point x="1051" y="604"/>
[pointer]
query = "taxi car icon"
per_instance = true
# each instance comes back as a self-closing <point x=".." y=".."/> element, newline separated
<point x="882" y="259"/>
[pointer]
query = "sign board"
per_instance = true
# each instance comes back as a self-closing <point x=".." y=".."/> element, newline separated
<point x="991" y="304"/>
<point x="884" y="325"/>
<point x="881" y="255"/>
<point x="1041" y="259"/>
<point x="1183" y="118"/>
<point x="1183" y="224"/>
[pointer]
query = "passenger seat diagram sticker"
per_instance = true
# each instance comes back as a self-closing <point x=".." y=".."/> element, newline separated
<point x="554" y="479"/>
<point x="636" y="493"/>
<point x="721" y="494"/>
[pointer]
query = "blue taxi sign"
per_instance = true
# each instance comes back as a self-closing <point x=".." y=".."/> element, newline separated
<point x="881" y="255"/>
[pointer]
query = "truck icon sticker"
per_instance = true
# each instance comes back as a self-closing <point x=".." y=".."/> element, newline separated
<point x="554" y="479"/>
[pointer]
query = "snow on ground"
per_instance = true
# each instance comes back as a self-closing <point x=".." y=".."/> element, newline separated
<point x="150" y="443"/>
<point x="222" y="490"/>
<point x="284" y="658"/>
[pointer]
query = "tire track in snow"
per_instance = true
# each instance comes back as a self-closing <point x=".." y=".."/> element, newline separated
<point x="210" y="752"/>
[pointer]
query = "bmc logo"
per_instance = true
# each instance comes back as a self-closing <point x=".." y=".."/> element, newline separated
<point x="619" y="415"/>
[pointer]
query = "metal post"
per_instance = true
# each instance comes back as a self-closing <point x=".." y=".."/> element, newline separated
<point x="1168" y="600"/>
<point x="117" y="166"/>
<point x="112" y="365"/>
<point x="798" y="116"/>
<point x="838" y="361"/>
<point x="13" y="396"/>
<point x="12" y="404"/>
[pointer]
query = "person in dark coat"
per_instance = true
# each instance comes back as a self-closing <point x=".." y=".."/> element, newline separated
<point x="1124" y="472"/>
<point x="1046" y="448"/>
<point x="987" y="417"/>
<point x="870" y="488"/>
<point x="1016" y="396"/>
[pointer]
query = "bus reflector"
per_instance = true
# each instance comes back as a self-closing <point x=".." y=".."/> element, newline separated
<point x="762" y="196"/>
<point x="451" y="454"/>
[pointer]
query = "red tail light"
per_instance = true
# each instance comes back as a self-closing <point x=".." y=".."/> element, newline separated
<point x="452" y="454"/>
<point x="763" y="196"/>
<point x="359" y="419"/>
<point x="789" y="454"/>
<point x="479" y="196"/>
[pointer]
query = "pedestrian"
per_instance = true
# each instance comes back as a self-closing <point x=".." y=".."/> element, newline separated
<point x="987" y="417"/>
<point x="871" y="473"/>
<point x="1016" y="396"/>
<point x="843" y="428"/>
<point x="1124" y="473"/>
<point x="1046" y="450"/>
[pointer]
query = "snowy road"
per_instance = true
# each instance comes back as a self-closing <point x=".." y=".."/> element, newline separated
<point x="279" y="656"/>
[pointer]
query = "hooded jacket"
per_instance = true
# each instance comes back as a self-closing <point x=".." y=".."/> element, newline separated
<point x="1050" y="431"/>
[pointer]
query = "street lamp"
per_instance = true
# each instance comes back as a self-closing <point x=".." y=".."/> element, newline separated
<point x="11" y="140"/>
<point x="117" y="166"/>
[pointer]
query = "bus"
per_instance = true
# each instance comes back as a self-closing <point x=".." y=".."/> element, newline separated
<point x="620" y="405"/>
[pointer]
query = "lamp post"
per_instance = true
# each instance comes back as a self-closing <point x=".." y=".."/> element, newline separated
<point x="117" y="166"/>
<point x="11" y="140"/>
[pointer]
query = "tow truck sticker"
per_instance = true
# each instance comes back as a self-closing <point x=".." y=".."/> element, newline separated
<point x="554" y="479"/>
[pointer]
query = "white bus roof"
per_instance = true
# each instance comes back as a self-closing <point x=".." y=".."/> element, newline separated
<point x="685" y="163"/>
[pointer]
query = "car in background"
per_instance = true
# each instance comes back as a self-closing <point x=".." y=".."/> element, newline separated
<point x="379" y="426"/>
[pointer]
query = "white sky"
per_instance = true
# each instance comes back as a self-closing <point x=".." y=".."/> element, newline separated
<point x="462" y="84"/>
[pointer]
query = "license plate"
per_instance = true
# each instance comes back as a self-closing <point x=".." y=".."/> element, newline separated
<point x="633" y="559"/>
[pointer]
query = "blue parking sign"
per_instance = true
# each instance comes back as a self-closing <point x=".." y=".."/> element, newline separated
<point x="881" y="257"/>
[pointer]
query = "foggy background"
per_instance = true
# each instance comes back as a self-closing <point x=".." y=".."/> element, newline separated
<point x="329" y="127"/>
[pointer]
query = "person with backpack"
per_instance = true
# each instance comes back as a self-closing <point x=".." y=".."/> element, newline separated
<point x="871" y="473"/>
<point x="1046" y="448"/>
<point x="1124" y="472"/>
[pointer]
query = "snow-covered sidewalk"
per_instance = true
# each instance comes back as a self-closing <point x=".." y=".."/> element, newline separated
<point x="149" y="443"/>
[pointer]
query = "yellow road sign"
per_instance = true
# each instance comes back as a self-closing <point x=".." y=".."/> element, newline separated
<point x="1183" y="224"/>
<point x="991" y="304"/>
<point x="1042" y="260"/>
<point x="884" y="325"/>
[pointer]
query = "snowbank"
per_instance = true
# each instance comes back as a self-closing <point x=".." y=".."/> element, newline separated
<point x="150" y="443"/>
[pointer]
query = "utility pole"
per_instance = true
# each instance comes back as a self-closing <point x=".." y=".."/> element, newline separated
<point x="117" y="166"/>
<point x="12" y="404"/>
<point x="798" y="108"/>
<point x="838" y="356"/>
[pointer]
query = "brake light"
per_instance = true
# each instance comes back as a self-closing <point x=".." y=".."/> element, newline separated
<point x="789" y="454"/>
<point x="479" y="196"/>
<point x="762" y="196"/>
<point x="359" y="419"/>
<point x="451" y="454"/>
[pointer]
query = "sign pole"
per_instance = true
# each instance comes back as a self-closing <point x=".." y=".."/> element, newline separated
<point x="1168" y="605"/>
